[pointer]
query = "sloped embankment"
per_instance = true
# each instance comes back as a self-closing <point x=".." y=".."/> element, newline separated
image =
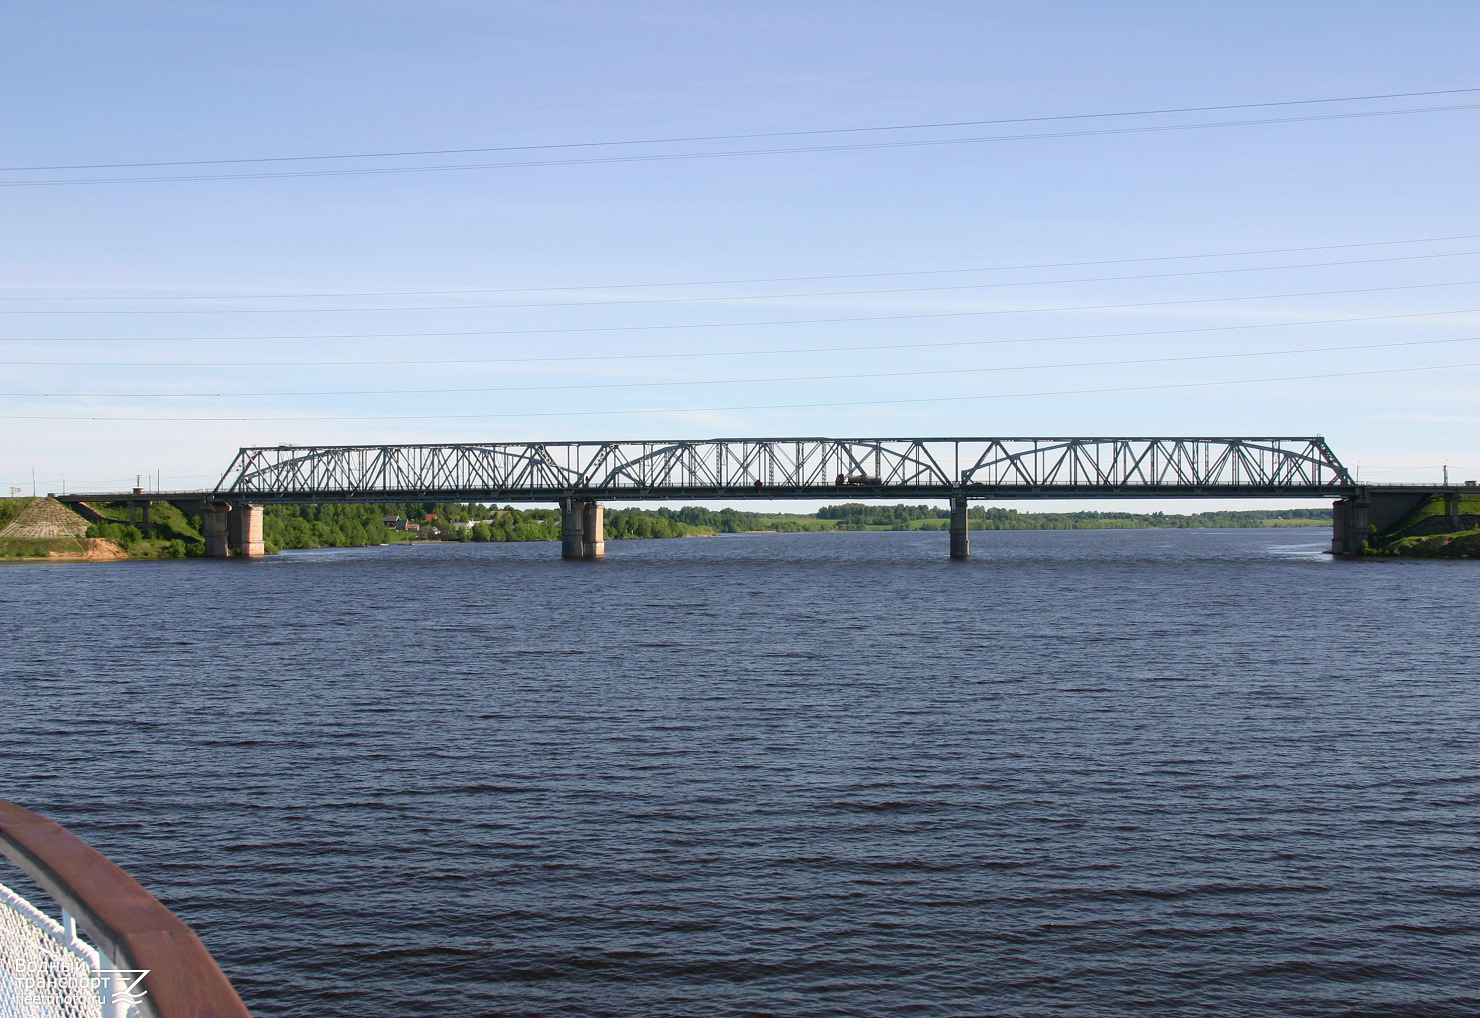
<point x="1436" y="529"/>
<point x="46" y="529"/>
<point x="44" y="519"/>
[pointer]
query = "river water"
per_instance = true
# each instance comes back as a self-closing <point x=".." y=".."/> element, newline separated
<point x="1091" y="773"/>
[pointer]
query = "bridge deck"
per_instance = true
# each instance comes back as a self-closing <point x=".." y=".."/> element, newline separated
<point x="750" y="493"/>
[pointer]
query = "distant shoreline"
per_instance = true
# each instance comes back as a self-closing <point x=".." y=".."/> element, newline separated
<point x="173" y="534"/>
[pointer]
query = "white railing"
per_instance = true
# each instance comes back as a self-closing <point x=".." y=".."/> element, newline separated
<point x="48" y="971"/>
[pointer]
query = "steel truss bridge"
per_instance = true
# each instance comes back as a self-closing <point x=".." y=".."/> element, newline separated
<point x="784" y="468"/>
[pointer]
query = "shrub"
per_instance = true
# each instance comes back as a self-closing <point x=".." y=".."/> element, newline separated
<point x="120" y="534"/>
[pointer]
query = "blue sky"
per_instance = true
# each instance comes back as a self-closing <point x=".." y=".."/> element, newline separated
<point x="985" y="245"/>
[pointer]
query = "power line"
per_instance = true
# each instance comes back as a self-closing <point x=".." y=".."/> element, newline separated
<point x="733" y="325"/>
<point x="771" y="406"/>
<point x="768" y="279"/>
<point x="586" y="386"/>
<point x="732" y="153"/>
<point x="738" y="137"/>
<point x="758" y="296"/>
<point x="732" y="353"/>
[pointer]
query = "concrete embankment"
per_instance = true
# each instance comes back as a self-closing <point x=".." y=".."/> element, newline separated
<point x="43" y="519"/>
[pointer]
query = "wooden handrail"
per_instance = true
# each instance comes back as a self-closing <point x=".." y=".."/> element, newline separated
<point x="120" y="918"/>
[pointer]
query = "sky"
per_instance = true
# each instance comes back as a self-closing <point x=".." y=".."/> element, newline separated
<point x="726" y="219"/>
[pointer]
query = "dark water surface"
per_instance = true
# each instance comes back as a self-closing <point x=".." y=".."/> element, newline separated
<point x="1087" y="773"/>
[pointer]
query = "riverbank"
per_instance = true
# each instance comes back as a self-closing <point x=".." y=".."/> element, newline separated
<point x="171" y="533"/>
<point x="62" y="549"/>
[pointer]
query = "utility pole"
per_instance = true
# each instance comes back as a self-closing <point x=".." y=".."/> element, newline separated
<point x="1446" y="475"/>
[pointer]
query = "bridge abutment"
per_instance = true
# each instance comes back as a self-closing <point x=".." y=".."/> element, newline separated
<point x="960" y="529"/>
<point x="582" y="529"/>
<point x="1357" y="517"/>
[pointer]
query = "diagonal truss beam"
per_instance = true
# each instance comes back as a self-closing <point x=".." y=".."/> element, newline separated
<point x="788" y="467"/>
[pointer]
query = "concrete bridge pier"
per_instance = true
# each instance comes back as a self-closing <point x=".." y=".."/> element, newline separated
<point x="236" y="526"/>
<point x="143" y="524"/>
<point x="1349" y="524"/>
<point x="582" y="529"/>
<point x="244" y="524"/>
<point x="960" y="529"/>
<point x="213" y="529"/>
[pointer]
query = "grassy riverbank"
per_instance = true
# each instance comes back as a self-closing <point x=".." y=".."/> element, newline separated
<point x="63" y="549"/>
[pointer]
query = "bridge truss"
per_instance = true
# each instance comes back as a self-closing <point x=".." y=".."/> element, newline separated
<point x="778" y="468"/>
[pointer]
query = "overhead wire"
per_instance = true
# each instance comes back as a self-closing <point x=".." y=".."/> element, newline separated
<point x="733" y="153"/>
<point x="740" y="137"/>
<point x="668" y="411"/>
<point x="670" y="383"/>
<point x="750" y="297"/>
<point x="587" y="330"/>
<point x="764" y="279"/>
<point x="772" y="351"/>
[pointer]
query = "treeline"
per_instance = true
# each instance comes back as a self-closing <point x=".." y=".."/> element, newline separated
<point x="718" y="521"/>
<point x="323" y="526"/>
<point x="332" y="525"/>
<point x="347" y="526"/>
<point x="512" y="524"/>
<point x="859" y="513"/>
<point x="337" y="526"/>
<point x="922" y="517"/>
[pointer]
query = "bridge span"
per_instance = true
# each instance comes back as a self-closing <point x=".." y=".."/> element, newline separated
<point x="580" y="475"/>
